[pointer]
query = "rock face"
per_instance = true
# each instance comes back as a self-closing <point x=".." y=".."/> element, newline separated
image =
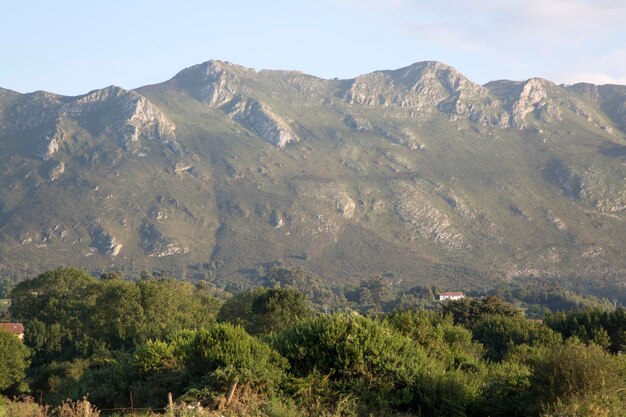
<point x="122" y="115"/>
<point x="591" y="185"/>
<point x="530" y="98"/>
<point x="428" y="87"/>
<point x="422" y="218"/>
<point x="221" y="85"/>
<point x="214" y="83"/>
<point x="56" y="171"/>
<point x="259" y="118"/>
<point x="104" y="243"/>
<point x="156" y="244"/>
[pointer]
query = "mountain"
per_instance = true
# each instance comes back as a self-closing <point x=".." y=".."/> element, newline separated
<point x="418" y="174"/>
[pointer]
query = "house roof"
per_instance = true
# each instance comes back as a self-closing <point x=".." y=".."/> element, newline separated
<point x="450" y="293"/>
<point x="13" y="328"/>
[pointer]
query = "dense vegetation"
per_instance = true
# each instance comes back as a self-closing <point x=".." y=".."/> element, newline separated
<point x="276" y="352"/>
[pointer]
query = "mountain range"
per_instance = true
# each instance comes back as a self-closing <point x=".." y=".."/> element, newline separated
<point x="417" y="174"/>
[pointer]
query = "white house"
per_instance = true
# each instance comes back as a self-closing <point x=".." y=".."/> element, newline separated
<point x="451" y="296"/>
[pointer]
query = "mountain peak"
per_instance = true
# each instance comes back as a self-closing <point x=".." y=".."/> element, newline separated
<point x="426" y="87"/>
<point x="213" y="82"/>
<point x="426" y="66"/>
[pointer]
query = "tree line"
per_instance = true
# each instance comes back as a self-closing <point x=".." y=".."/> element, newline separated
<point x="116" y="341"/>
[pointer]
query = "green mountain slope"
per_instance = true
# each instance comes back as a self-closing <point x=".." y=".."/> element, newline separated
<point x="418" y="173"/>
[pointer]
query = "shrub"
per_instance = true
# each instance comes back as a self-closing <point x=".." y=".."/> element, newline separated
<point x="576" y="373"/>
<point x="499" y="334"/>
<point x="221" y="359"/>
<point x="361" y="356"/>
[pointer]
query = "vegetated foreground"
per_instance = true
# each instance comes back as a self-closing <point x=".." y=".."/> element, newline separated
<point x="417" y="174"/>
<point x="115" y="346"/>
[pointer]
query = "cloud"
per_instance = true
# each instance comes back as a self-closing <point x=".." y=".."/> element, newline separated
<point x="565" y="38"/>
<point x="606" y="68"/>
<point x="593" y="78"/>
<point x="488" y="20"/>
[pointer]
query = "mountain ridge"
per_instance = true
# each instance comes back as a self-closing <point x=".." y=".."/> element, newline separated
<point x="223" y="168"/>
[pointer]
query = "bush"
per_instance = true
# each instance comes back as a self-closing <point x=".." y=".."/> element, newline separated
<point x="499" y="334"/>
<point x="263" y="311"/>
<point x="361" y="356"/>
<point x="212" y="361"/>
<point x="440" y="338"/>
<point x="576" y="373"/>
<point x="506" y="391"/>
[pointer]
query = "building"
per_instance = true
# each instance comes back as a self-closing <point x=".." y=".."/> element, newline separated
<point x="451" y="296"/>
<point x="13" y="328"/>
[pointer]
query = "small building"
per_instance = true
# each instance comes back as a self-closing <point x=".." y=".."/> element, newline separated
<point x="451" y="296"/>
<point x="13" y="328"/>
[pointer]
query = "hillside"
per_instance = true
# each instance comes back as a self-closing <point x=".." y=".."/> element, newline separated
<point x="418" y="174"/>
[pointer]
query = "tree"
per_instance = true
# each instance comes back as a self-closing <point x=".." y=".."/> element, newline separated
<point x="105" y="276"/>
<point x="61" y="299"/>
<point x="57" y="296"/>
<point x="436" y="333"/>
<point x="218" y="359"/>
<point x="607" y="329"/>
<point x="263" y="311"/>
<point x="506" y="392"/>
<point x="361" y="357"/>
<point x="70" y="314"/>
<point x="468" y="311"/>
<point x="170" y="305"/>
<point x="304" y="281"/>
<point x="13" y="360"/>
<point x="574" y="373"/>
<point x="117" y="315"/>
<point x="501" y="333"/>
<point x="379" y="289"/>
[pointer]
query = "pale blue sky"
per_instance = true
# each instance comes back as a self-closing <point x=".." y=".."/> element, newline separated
<point x="71" y="47"/>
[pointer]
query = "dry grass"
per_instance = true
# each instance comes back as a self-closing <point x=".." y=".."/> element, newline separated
<point x="27" y="407"/>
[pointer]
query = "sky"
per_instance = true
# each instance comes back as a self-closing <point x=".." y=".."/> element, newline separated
<point x="71" y="47"/>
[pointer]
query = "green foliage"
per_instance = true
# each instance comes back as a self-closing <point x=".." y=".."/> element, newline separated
<point x="58" y="381"/>
<point x="506" y="391"/>
<point x="418" y="297"/>
<point x="604" y="328"/>
<point x="156" y="355"/>
<point x="575" y="372"/>
<point x="473" y="358"/>
<point x="436" y="333"/>
<point x="210" y="360"/>
<point x="305" y="282"/>
<point x="117" y="315"/>
<point x="263" y="311"/>
<point x="5" y="287"/>
<point x="13" y="360"/>
<point x="361" y="356"/>
<point x="170" y="305"/>
<point x="499" y="334"/>
<point x="223" y="354"/>
<point x="541" y="298"/>
<point x="468" y="311"/>
<point x="107" y="380"/>
<point x="70" y="314"/>
<point x="60" y="301"/>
